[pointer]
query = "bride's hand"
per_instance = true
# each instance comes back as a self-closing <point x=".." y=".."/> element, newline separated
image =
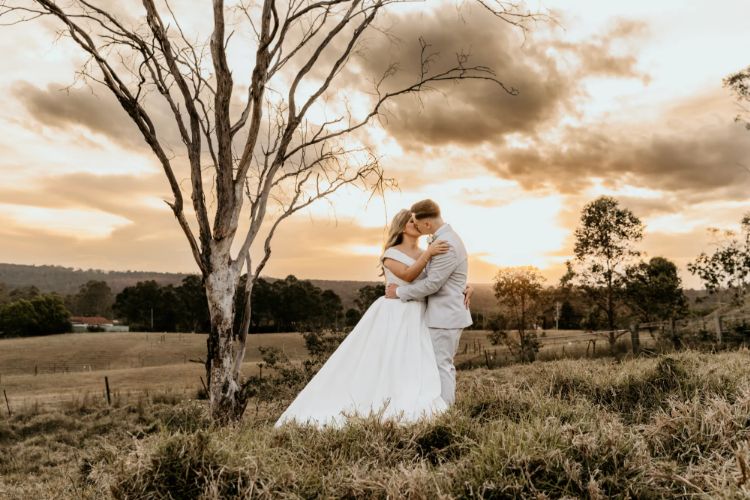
<point x="437" y="247"/>
<point x="467" y="295"/>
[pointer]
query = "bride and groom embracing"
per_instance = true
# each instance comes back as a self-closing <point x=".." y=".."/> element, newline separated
<point x="397" y="362"/>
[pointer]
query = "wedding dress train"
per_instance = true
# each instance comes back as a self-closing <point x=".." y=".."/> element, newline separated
<point x="386" y="366"/>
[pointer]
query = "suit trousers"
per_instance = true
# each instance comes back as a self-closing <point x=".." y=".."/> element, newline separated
<point x="445" y="345"/>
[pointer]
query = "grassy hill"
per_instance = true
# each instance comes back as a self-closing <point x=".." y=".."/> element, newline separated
<point x="675" y="426"/>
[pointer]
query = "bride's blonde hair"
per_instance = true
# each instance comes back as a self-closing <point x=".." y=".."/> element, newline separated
<point x="395" y="232"/>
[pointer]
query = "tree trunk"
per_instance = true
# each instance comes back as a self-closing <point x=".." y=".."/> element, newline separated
<point x="611" y="312"/>
<point x="612" y="341"/>
<point x="676" y="340"/>
<point x="224" y="392"/>
<point x="635" y="338"/>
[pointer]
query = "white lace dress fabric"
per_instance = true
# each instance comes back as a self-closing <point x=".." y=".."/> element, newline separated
<point x="386" y="367"/>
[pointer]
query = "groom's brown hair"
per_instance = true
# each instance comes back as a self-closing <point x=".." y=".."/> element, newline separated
<point x="425" y="209"/>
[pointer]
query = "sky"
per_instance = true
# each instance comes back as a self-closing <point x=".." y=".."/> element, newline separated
<point x="616" y="98"/>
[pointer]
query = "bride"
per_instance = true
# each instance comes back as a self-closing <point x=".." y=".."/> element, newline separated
<point x="386" y="365"/>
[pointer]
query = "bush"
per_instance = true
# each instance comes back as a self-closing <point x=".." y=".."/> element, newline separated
<point x="19" y="318"/>
<point x="40" y="315"/>
<point x="184" y="466"/>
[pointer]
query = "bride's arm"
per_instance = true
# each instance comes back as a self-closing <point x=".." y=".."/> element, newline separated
<point x="410" y="273"/>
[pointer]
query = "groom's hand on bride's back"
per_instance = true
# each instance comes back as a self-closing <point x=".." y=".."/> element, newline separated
<point x="390" y="292"/>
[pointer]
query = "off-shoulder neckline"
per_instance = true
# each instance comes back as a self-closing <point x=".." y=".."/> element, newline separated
<point x="403" y="253"/>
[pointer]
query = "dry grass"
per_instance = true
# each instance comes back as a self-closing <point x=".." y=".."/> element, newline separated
<point x="672" y="426"/>
<point x="100" y="351"/>
<point x="44" y="452"/>
<point x="73" y="365"/>
<point x="56" y="389"/>
<point x="75" y="352"/>
<point x="555" y="345"/>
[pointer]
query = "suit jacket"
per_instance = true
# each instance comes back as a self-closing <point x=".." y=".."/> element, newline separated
<point x="444" y="286"/>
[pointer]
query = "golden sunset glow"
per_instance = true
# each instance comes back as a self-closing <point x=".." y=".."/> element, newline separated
<point x="623" y="99"/>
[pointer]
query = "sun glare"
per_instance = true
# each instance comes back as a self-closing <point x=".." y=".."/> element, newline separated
<point x="81" y="224"/>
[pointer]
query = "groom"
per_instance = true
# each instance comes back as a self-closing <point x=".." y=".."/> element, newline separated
<point x="446" y="314"/>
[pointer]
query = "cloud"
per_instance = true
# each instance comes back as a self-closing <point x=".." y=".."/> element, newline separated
<point x="63" y="108"/>
<point x="548" y="74"/>
<point x="611" y="53"/>
<point x="124" y="195"/>
<point x="470" y="112"/>
<point x="693" y="161"/>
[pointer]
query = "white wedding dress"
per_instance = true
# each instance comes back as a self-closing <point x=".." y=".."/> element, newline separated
<point x="386" y="367"/>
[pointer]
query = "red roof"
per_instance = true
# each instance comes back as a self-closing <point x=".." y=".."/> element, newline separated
<point x="91" y="320"/>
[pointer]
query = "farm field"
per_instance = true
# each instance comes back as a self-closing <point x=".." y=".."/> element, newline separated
<point x="73" y="352"/>
<point x="54" y="369"/>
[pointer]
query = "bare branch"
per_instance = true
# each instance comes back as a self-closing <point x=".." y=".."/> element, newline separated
<point x="194" y="146"/>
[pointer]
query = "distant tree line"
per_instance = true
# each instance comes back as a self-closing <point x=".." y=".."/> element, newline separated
<point x="26" y="312"/>
<point x="284" y="305"/>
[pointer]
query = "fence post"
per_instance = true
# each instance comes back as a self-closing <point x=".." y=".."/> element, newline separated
<point x="635" y="339"/>
<point x="106" y="385"/>
<point x="7" y="403"/>
<point x="718" y="329"/>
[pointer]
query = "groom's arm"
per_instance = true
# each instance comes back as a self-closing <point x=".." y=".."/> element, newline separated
<point x="441" y="267"/>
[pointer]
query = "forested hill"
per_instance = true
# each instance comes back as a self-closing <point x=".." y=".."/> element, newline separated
<point x="67" y="280"/>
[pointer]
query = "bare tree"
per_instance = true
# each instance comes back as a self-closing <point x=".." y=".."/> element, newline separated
<point x="268" y="157"/>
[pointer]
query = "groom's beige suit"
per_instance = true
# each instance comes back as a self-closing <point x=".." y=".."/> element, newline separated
<point x="446" y="314"/>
